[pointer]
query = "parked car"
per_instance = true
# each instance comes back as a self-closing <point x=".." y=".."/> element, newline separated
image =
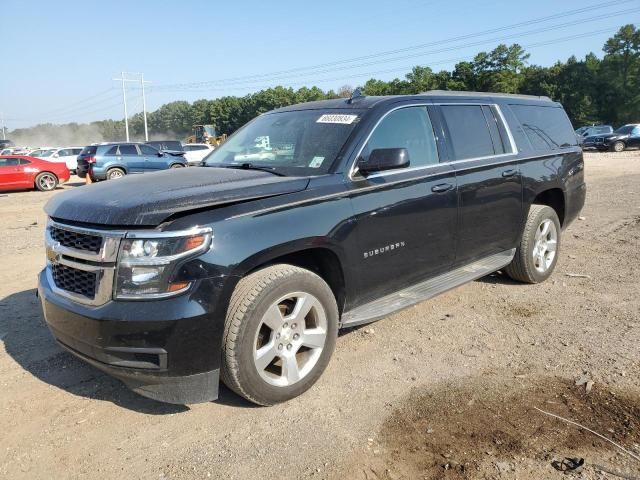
<point x="67" y="155"/>
<point x="172" y="147"/>
<point x="196" y="152"/>
<point x="108" y="161"/>
<point x="41" y="152"/>
<point x="591" y="130"/>
<point x="6" y="143"/>
<point x="246" y="271"/>
<point x="624" y="137"/>
<point x="20" y="172"/>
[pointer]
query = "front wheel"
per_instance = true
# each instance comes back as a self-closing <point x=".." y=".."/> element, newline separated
<point x="280" y="332"/>
<point x="618" y="147"/>
<point x="177" y="165"/>
<point x="46" y="181"/>
<point x="537" y="254"/>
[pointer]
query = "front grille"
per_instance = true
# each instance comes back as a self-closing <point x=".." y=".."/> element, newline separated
<point x="79" y="241"/>
<point x="74" y="280"/>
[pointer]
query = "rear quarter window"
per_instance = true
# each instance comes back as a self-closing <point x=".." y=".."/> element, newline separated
<point x="547" y="128"/>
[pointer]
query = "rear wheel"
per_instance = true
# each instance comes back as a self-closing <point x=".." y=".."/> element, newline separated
<point x="280" y="332"/>
<point x="618" y="147"/>
<point x="46" y="181"/>
<point x="537" y="254"/>
<point x="114" y="173"/>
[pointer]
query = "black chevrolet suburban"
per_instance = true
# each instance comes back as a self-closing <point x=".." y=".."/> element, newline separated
<point x="310" y="218"/>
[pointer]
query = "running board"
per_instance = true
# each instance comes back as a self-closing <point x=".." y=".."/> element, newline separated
<point x="420" y="292"/>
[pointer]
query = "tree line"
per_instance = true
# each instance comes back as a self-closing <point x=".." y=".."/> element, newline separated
<point x="593" y="90"/>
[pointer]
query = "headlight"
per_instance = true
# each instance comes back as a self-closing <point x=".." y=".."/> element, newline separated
<point x="145" y="265"/>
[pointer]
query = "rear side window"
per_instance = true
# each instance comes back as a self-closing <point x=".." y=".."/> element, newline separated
<point x="408" y="128"/>
<point x="128" y="150"/>
<point x="112" y="151"/>
<point x="469" y="131"/>
<point x="548" y="128"/>
<point x="9" y="162"/>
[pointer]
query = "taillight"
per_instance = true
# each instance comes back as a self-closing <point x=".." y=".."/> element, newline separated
<point x="90" y="159"/>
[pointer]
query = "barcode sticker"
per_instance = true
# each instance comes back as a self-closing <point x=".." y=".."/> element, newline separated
<point x="333" y="118"/>
<point x="316" y="162"/>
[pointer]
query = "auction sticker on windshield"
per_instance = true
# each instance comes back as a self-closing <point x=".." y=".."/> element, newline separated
<point x="333" y="118"/>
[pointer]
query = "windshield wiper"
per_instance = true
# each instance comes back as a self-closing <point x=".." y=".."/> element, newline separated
<point x="251" y="166"/>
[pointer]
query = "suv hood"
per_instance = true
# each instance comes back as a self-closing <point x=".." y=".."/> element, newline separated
<point x="148" y="200"/>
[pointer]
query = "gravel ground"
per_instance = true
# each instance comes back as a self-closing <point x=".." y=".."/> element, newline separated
<point x="445" y="389"/>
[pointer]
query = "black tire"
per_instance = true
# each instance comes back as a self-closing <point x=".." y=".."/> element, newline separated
<point x="618" y="146"/>
<point x="46" y="181"/>
<point x="523" y="267"/>
<point x="115" y="173"/>
<point x="250" y="301"/>
<point x="177" y="165"/>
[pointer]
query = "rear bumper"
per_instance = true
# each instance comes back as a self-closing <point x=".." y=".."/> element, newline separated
<point x="167" y="350"/>
<point x="574" y="201"/>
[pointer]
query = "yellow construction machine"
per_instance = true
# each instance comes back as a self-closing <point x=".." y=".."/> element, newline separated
<point x="206" y="134"/>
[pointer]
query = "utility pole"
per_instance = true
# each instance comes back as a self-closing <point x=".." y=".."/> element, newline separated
<point x="144" y="108"/>
<point x="124" y="100"/>
<point x="2" y="125"/>
<point x="123" y="79"/>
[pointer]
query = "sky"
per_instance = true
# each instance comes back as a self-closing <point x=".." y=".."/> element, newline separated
<point x="59" y="58"/>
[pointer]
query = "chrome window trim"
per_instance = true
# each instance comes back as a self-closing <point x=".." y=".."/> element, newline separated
<point x="367" y="188"/>
<point x="514" y="148"/>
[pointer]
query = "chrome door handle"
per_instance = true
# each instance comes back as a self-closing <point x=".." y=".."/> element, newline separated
<point x="441" y="188"/>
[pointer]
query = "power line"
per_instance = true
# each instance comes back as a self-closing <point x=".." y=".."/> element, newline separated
<point x="235" y="80"/>
<point x="395" y="69"/>
<point x="80" y="109"/>
<point x="446" y="49"/>
<point x="55" y="110"/>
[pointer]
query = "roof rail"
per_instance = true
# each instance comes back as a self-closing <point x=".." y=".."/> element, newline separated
<point x="484" y="94"/>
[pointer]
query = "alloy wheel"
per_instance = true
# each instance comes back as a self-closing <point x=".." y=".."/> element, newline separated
<point x="47" y="181"/>
<point x="290" y="339"/>
<point x="545" y="245"/>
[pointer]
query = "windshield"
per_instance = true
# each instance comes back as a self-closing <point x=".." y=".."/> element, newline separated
<point x="625" y="129"/>
<point x="46" y="153"/>
<point x="298" y="143"/>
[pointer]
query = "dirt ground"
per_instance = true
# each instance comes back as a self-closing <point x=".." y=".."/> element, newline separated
<point x="447" y="389"/>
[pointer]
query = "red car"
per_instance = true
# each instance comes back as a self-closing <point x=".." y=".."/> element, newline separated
<point x="20" y="172"/>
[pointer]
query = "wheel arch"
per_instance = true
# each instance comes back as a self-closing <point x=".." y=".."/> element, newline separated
<point x="554" y="198"/>
<point x="116" y="165"/>
<point x="321" y="260"/>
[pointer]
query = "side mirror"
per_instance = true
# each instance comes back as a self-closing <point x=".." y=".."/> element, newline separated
<point x="382" y="159"/>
